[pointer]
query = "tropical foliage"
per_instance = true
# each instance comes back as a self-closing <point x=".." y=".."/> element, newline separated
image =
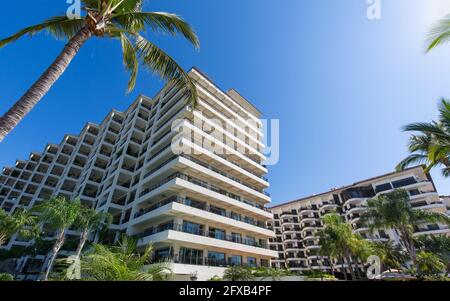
<point x="436" y="244"/>
<point x="392" y="255"/>
<point x="338" y="242"/>
<point x="429" y="264"/>
<point x="394" y="211"/>
<point x="121" y="20"/>
<point x="267" y="273"/>
<point x="122" y="262"/>
<point x="439" y="34"/>
<point x="431" y="143"/>
<point x="90" y="220"/>
<point x="21" y="222"/>
<point x="238" y="273"/>
<point x="6" y="277"/>
<point x="59" y="214"/>
<point x="315" y="275"/>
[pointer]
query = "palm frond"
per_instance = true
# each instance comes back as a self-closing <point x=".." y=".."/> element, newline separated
<point x="444" y="114"/>
<point x="424" y="127"/>
<point x="419" y="143"/>
<point x="129" y="6"/>
<point x="413" y="159"/>
<point x="434" y="129"/>
<point x="158" y="22"/>
<point x="158" y="61"/>
<point x="130" y="61"/>
<point x="421" y="216"/>
<point x="59" y="27"/>
<point x="439" y="34"/>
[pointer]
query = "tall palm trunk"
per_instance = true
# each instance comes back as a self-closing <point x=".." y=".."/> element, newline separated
<point x="344" y="269"/>
<point x="55" y="250"/>
<point x="408" y="243"/>
<point x="350" y="265"/>
<point x="27" y="102"/>
<point x="83" y="239"/>
<point x="332" y="266"/>
<point x="358" y="271"/>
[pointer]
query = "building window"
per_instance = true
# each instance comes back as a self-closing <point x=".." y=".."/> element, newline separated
<point x="217" y="210"/>
<point x="383" y="187"/>
<point x="251" y="262"/>
<point x="191" y="256"/>
<point x="236" y="237"/>
<point x="217" y="233"/>
<point x="413" y="192"/>
<point x="264" y="263"/>
<point x="192" y="228"/>
<point x="235" y="216"/>
<point x="216" y="259"/>
<point x="404" y="182"/>
<point x="235" y="260"/>
<point x="163" y="254"/>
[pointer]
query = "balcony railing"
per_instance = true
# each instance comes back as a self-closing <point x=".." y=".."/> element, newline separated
<point x="185" y="229"/>
<point x="201" y="206"/>
<point x="203" y="261"/>
<point x="202" y="184"/>
<point x="222" y="173"/>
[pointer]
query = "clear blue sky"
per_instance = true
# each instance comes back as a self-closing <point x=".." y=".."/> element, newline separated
<point x="341" y="85"/>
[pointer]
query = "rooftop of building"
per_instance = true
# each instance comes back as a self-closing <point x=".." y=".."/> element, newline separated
<point x="348" y="186"/>
<point x="232" y="93"/>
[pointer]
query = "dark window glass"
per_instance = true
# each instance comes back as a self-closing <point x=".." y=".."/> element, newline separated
<point x="414" y="192"/>
<point x="251" y="261"/>
<point x="404" y="182"/>
<point x="235" y="260"/>
<point x="383" y="187"/>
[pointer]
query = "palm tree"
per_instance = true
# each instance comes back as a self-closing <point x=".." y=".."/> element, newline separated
<point x="337" y="241"/>
<point x="238" y="273"/>
<point x="122" y="263"/>
<point x="391" y="255"/>
<point x="432" y="145"/>
<point x="436" y="244"/>
<point x="60" y="214"/>
<point x="439" y="34"/>
<point x="21" y="222"/>
<point x="123" y="20"/>
<point x="394" y="211"/>
<point x="429" y="264"/>
<point x="329" y="245"/>
<point x="90" y="220"/>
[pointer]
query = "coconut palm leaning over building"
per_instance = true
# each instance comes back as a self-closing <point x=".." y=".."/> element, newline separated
<point x="122" y="20"/>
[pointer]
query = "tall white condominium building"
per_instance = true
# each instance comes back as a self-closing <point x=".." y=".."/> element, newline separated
<point x="204" y="210"/>
<point x="296" y="223"/>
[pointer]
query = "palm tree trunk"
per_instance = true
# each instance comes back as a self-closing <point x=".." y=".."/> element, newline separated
<point x="55" y="250"/>
<point x="409" y="245"/>
<point x="83" y="239"/>
<point x="350" y="265"/>
<point x="332" y="267"/>
<point x="344" y="269"/>
<point x="358" y="272"/>
<point x="27" y="102"/>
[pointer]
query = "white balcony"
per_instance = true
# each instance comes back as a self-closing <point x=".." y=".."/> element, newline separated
<point x="171" y="236"/>
<point x="201" y="216"/>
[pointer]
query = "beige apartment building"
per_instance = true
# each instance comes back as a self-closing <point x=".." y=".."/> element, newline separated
<point x="296" y="223"/>
<point x="203" y="210"/>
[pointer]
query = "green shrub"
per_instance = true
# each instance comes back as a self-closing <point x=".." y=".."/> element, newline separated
<point x="6" y="277"/>
<point x="215" y="278"/>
